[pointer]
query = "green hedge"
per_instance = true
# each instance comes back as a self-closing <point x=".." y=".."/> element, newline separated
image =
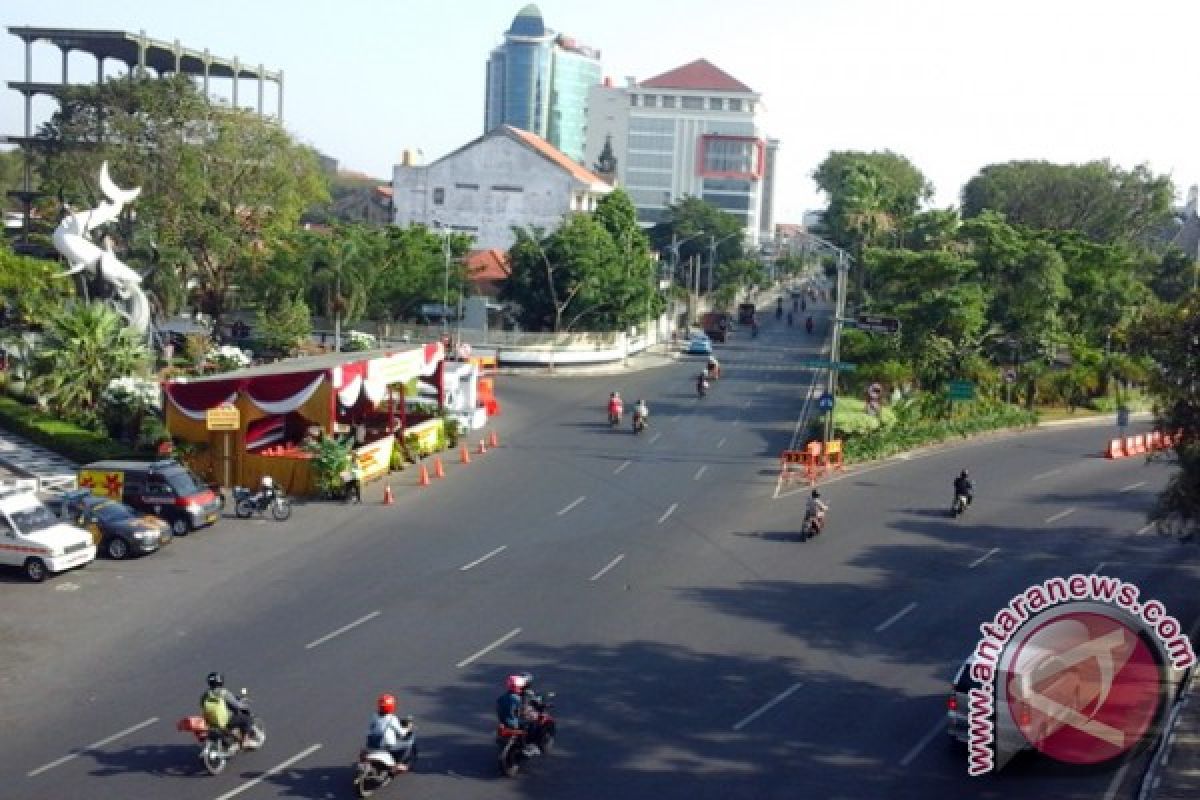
<point x="883" y="443"/>
<point x="66" y="439"/>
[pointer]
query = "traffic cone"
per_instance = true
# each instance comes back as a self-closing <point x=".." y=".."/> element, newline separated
<point x="438" y="470"/>
<point x="463" y="455"/>
<point x="424" y="476"/>
<point x="495" y="442"/>
<point x="387" y="495"/>
<point x="482" y="446"/>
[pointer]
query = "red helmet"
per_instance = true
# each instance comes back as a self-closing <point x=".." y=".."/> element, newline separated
<point x="387" y="703"/>
<point x="516" y="683"/>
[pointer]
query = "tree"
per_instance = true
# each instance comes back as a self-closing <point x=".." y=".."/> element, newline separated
<point x="1170" y="334"/>
<point x="31" y="289"/>
<point x="83" y="348"/>
<point x="693" y="224"/>
<point x="1098" y="199"/>
<point x="285" y="327"/>
<point x="869" y="193"/>
<point x="219" y="185"/>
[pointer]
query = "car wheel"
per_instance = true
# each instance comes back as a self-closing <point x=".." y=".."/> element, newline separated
<point x="117" y="548"/>
<point x="180" y="526"/>
<point x="35" y="570"/>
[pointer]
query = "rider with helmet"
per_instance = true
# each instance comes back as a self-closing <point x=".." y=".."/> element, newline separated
<point x="714" y="367"/>
<point x="641" y="412"/>
<point x="815" y="509"/>
<point x="513" y="708"/>
<point x="224" y="710"/>
<point x="615" y="407"/>
<point x="388" y="732"/>
<point x="964" y="487"/>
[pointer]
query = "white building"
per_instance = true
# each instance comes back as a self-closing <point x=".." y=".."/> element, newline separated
<point x="507" y="177"/>
<point x="694" y="131"/>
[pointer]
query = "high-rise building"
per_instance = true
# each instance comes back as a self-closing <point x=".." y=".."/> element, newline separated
<point x="538" y="81"/>
<point x="693" y="131"/>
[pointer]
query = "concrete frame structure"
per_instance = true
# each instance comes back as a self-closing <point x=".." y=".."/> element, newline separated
<point x="138" y="52"/>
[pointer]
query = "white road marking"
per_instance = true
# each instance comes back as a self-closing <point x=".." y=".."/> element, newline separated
<point x="1133" y="486"/>
<point x="576" y="502"/>
<point x="67" y="587"/>
<point x="655" y="437"/>
<point x="746" y="404"/>
<point x="625" y="464"/>
<point x="342" y="630"/>
<point x="611" y="564"/>
<point x="883" y="626"/>
<point x="770" y="704"/>
<point x="921" y="745"/>
<point x="1096" y="569"/>
<point x="721" y="443"/>
<point x="983" y="558"/>
<point x="1046" y="474"/>
<point x="1115" y="783"/>
<point x="482" y="559"/>
<point x="1149" y="526"/>
<point x="1059" y="515"/>
<point x="700" y="472"/>
<point x="670" y="511"/>
<point x="489" y="648"/>
<point x="275" y="770"/>
<point x="92" y="746"/>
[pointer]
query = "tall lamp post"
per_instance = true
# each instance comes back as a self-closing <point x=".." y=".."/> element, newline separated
<point x="843" y="268"/>
<point x="676" y="243"/>
<point x="445" y="231"/>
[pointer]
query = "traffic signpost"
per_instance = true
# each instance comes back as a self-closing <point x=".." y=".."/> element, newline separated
<point x="825" y="403"/>
<point x="872" y="323"/>
<point x="960" y="391"/>
<point x="818" y="363"/>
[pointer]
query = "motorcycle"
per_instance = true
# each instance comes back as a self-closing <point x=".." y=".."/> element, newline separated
<point x="218" y="746"/>
<point x="248" y="503"/>
<point x="702" y="387"/>
<point x="375" y="767"/>
<point x="961" y="501"/>
<point x="511" y="742"/>
<point x="639" y="423"/>
<point x="614" y="418"/>
<point x="813" y="524"/>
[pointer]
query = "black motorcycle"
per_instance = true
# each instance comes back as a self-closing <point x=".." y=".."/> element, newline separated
<point x="961" y="501"/>
<point x="639" y="423"/>
<point x="248" y="503"/>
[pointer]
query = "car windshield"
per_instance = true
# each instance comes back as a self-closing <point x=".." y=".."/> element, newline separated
<point x="184" y="482"/>
<point x="33" y="519"/>
<point x="113" y="512"/>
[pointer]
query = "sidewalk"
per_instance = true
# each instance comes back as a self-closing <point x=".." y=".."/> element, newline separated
<point x="1174" y="773"/>
<point x="26" y="458"/>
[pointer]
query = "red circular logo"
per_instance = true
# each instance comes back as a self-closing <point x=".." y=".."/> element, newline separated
<point x="1084" y="687"/>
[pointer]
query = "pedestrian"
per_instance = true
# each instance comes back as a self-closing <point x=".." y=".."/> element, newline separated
<point x="789" y="319"/>
<point x="352" y="482"/>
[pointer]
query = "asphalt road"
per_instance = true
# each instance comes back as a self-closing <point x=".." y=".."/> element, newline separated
<point x="657" y="583"/>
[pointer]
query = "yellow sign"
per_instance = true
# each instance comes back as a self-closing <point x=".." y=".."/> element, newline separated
<point x="103" y="483"/>
<point x="223" y="418"/>
<point x="375" y="459"/>
<point x="426" y="434"/>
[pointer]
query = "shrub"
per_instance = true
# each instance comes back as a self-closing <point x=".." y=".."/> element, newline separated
<point x="227" y="358"/>
<point x="357" y="341"/>
<point x="65" y="438"/>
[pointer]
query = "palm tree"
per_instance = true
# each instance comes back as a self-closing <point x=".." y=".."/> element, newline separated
<point x="83" y="348"/>
<point x="344" y="274"/>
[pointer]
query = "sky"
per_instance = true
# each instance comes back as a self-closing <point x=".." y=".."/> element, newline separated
<point x="953" y="85"/>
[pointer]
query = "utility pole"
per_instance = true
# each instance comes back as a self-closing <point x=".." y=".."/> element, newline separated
<point x="843" y="267"/>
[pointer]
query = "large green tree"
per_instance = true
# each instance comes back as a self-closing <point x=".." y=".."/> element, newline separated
<point x="1098" y="199"/>
<point x="694" y="225"/>
<point x="870" y="194"/>
<point x="31" y="289"/>
<point x="219" y="185"/>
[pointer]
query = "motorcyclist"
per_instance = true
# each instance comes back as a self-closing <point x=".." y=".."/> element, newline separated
<point x="615" y="407"/>
<point x="513" y="709"/>
<point x="388" y="732"/>
<point x="701" y="384"/>
<point x="266" y="487"/>
<point x="641" y="412"/>
<point x="964" y="487"/>
<point x="815" y="508"/>
<point x="714" y="367"/>
<point x="224" y="710"/>
<point x="808" y="325"/>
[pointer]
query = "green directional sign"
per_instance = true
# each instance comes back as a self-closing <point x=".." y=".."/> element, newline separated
<point x="961" y="390"/>
<point x="817" y="363"/>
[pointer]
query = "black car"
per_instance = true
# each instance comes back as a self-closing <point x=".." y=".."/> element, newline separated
<point x="117" y="530"/>
<point x="165" y="488"/>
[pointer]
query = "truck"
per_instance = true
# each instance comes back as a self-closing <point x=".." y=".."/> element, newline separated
<point x="35" y="540"/>
<point x="717" y="325"/>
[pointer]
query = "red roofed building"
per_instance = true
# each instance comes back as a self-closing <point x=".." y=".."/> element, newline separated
<point x="504" y="179"/>
<point x="487" y="270"/>
<point x="692" y="131"/>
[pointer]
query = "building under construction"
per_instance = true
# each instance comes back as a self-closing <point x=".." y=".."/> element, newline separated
<point x="139" y="54"/>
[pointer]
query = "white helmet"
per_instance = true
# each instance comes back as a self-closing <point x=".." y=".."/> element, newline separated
<point x="268" y="482"/>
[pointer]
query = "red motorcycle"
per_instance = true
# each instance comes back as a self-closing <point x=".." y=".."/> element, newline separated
<point x="512" y="744"/>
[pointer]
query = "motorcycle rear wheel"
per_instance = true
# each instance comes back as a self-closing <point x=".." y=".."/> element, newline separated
<point x="368" y="780"/>
<point x="510" y="760"/>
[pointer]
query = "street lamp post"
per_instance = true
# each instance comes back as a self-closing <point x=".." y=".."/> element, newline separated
<point x="712" y="254"/>
<point x="674" y="248"/>
<point x="445" y="231"/>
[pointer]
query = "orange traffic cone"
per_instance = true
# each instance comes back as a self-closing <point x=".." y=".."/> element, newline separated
<point x="424" y="476"/>
<point x="495" y="442"/>
<point x="463" y="455"/>
<point x="438" y="470"/>
<point x="387" y="495"/>
<point x="482" y="446"/>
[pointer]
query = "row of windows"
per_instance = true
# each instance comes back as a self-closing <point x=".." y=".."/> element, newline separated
<point x="644" y="178"/>
<point x="655" y="160"/>
<point x="729" y="202"/>
<point x="651" y="143"/>
<point x="729" y="155"/>
<point x="691" y="103"/>
<point x="648" y="125"/>
<point x="439" y="194"/>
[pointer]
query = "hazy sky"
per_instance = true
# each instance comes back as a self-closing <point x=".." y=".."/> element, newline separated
<point x="951" y="84"/>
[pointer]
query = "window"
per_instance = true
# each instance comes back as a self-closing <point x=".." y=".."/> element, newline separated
<point x="471" y="186"/>
<point x="633" y="99"/>
<point x="693" y="103"/>
<point x="650" y="100"/>
<point x="735" y="104"/>
<point x="716" y="104"/>
<point x="439" y="196"/>
<point x="668" y="101"/>
<point x="505" y="187"/>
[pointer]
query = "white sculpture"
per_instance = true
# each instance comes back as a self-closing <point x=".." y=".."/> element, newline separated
<point x="72" y="240"/>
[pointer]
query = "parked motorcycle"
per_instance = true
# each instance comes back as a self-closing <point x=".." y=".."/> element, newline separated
<point x="248" y="503"/>
<point x="511" y="742"/>
<point x="376" y="767"/>
<point x="217" y="747"/>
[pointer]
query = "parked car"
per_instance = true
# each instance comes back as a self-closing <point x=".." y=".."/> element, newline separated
<point x="699" y="345"/>
<point x="35" y="540"/>
<point x="165" y="488"/>
<point x="117" y="530"/>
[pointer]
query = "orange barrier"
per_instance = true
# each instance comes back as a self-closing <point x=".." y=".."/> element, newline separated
<point x="424" y="481"/>
<point x="482" y="446"/>
<point x="1154" y="440"/>
<point x="463" y="455"/>
<point x="438" y="470"/>
<point x="791" y="462"/>
<point x="487" y="364"/>
<point x="494" y="441"/>
<point x="1130" y="447"/>
<point x="1116" y="449"/>
<point x="833" y="454"/>
<point x="1139" y="443"/>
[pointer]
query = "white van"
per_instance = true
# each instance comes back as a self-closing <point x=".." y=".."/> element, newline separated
<point x="35" y="540"/>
